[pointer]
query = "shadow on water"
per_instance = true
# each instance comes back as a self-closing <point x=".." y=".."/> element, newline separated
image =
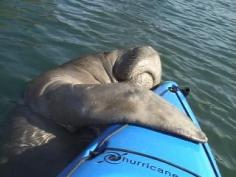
<point x="37" y="147"/>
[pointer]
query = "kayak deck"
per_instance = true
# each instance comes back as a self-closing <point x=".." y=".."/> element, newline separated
<point x="134" y="151"/>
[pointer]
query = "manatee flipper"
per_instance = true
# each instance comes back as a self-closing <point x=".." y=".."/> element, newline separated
<point x="75" y="96"/>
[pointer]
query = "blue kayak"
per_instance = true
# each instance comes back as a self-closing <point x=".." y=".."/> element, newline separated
<point x="134" y="151"/>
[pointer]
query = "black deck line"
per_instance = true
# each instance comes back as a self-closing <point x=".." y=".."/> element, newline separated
<point x="154" y="158"/>
<point x="163" y="93"/>
<point x="204" y="147"/>
<point x="212" y="164"/>
<point x="185" y="110"/>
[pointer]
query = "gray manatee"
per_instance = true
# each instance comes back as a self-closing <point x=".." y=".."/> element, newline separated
<point x="92" y="91"/>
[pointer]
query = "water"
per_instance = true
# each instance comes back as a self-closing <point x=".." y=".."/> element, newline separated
<point x="196" y="40"/>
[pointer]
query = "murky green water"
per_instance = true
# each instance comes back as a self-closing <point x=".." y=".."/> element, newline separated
<point x="196" y="40"/>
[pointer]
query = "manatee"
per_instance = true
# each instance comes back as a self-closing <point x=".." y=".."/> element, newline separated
<point x="91" y="91"/>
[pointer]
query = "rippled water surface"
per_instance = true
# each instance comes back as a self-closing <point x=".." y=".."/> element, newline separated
<point x="196" y="40"/>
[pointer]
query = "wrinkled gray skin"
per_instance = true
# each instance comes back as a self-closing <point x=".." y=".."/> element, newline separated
<point x="92" y="91"/>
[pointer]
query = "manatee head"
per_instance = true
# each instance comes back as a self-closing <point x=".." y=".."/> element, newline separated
<point x="140" y="65"/>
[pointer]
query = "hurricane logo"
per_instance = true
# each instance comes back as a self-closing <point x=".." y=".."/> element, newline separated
<point x="113" y="158"/>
